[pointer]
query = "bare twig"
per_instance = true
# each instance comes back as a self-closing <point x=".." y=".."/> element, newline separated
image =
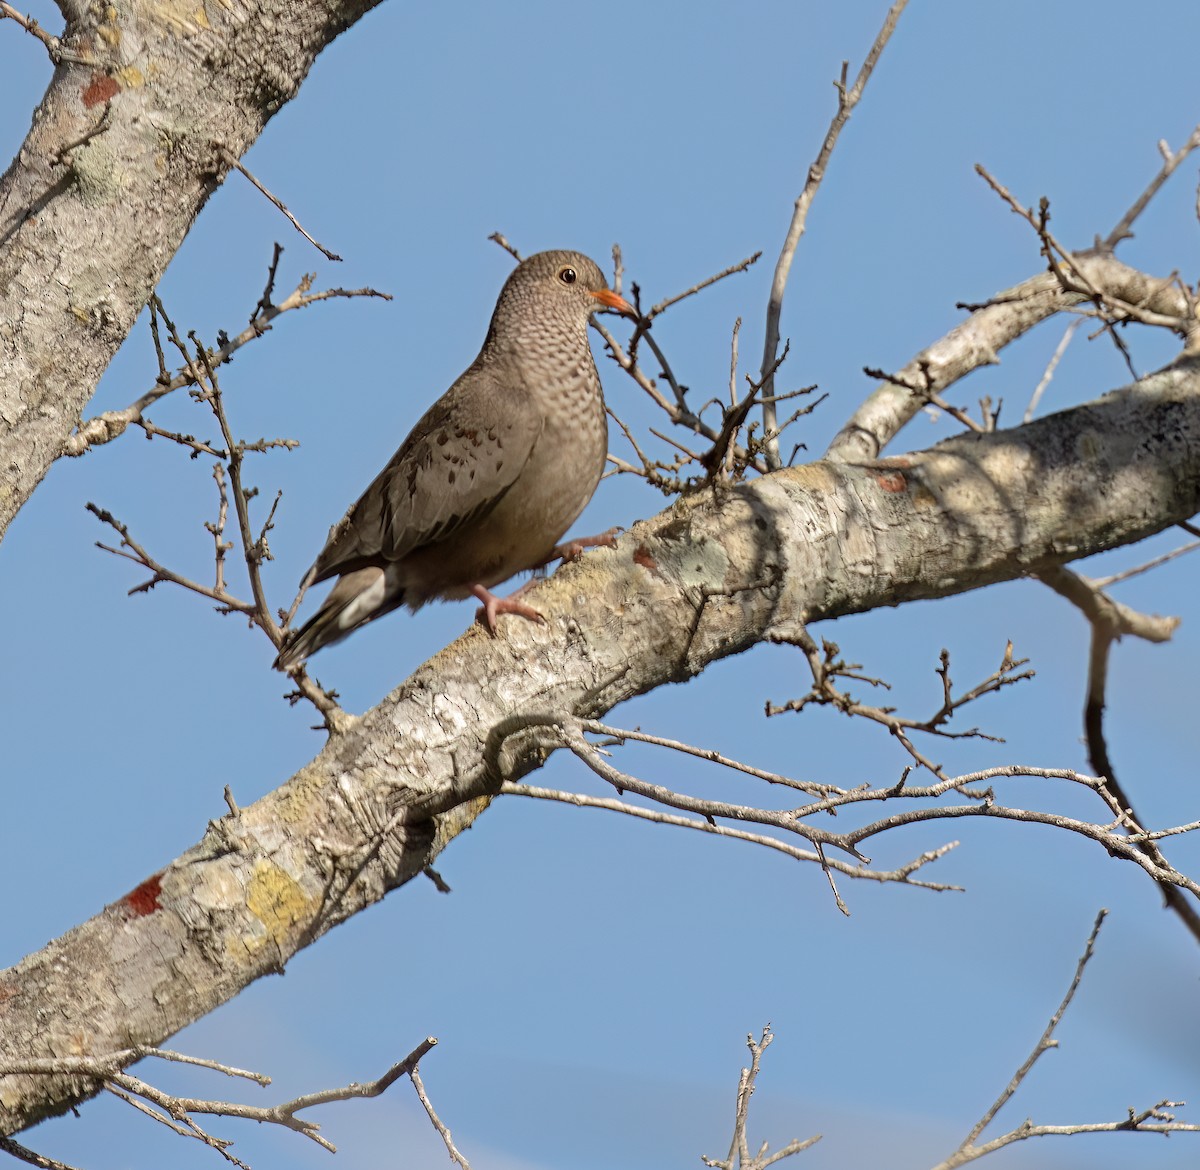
<point x="54" y="45"/>
<point x="334" y="718"/>
<point x="1109" y="621"/>
<point x="1152" y="1120"/>
<point x="1123" y="230"/>
<point x="1047" y="1040"/>
<point x="160" y="573"/>
<point x="826" y="665"/>
<point x="1120" y="837"/>
<point x="739" y="1147"/>
<point x="725" y="445"/>
<point x="1072" y="276"/>
<point x="678" y="412"/>
<point x="726" y="454"/>
<point x="171" y="1056"/>
<point x="657" y="472"/>
<point x="232" y="160"/>
<point x="1138" y="570"/>
<point x="105" y="427"/>
<point x="924" y="391"/>
<point x="95" y="130"/>
<point x="25" y="1154"/>
<point x="902" y="874"/>
<point x="499" y="238"/>
<point x="667" y="302"/>
<point x="201" y="373"/>
<point x="176" y="1112"/>
<point x="1051" y="366"/>
<point x="618" y="268"/>
<point x="733" y="364"/>
<point x="255" y="551"/>
<point x="415" y="1076"/>
<point x="847" y="100"/>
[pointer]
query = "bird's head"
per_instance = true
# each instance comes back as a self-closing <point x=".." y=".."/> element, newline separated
<point x="558" y="284"/>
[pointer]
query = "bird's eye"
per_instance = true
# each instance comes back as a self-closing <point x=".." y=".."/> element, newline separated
<point x="567" y="276"/>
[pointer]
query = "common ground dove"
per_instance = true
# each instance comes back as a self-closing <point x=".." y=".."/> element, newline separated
<point x="490" y="477"/>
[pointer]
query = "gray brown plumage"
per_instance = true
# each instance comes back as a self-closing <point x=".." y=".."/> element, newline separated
<point x="491" y="476"/>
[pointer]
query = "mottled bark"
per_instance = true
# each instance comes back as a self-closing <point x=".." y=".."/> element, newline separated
<point x="122" y="154"/>
<point x="708" y="577"/>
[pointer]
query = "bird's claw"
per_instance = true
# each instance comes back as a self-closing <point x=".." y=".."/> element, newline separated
<point x="494" y="606"/>
<point x="573" y="549"/>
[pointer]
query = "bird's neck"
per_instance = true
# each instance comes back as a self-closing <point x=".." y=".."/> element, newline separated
<point x="537" y="343"/>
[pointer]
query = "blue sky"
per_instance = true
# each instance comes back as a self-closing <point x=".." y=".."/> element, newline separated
<point x="591" y="979"/>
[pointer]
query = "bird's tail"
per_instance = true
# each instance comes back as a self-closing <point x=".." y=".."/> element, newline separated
<point x="356" y="599"/>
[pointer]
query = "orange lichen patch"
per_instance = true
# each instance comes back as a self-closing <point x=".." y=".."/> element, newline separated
<point x="8" y="990"/>
<point x="892" y="481"/>
<point x="101" y="88"/>
<point x="144" y="899"/>
<point x="643" y="557"/>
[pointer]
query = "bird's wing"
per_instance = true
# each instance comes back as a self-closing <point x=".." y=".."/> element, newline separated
<point x="456" y="465"/>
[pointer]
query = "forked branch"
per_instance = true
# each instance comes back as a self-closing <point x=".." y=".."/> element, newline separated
<point x="739" y="1156"/>
<point x="780" y="827"/>
<point x="179" y="1113"/>
<point x="103" y="428"/>
<point x="1156" y="1119"/>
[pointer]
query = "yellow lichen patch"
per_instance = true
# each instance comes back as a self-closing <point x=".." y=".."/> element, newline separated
<point x="293" y="803"/>
<point x="277" y="901"/>
<point x="130" y="77"/>
<point x="181" y="16"/>
<point x="109" y="30"/>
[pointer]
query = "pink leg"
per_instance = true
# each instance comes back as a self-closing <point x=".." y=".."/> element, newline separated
<point x="494" y="606"/>
<point x="573" y="549"/>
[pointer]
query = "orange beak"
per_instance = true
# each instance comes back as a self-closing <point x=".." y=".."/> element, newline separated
<point x="612" y="300"/>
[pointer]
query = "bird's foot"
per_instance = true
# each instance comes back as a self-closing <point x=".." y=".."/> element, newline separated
<point x="572" y="550"/>
<point x="494" y="606"/>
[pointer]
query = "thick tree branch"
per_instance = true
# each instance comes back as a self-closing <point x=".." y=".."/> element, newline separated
<point x="980" y="338"/>
<point x="709" y="577"/>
